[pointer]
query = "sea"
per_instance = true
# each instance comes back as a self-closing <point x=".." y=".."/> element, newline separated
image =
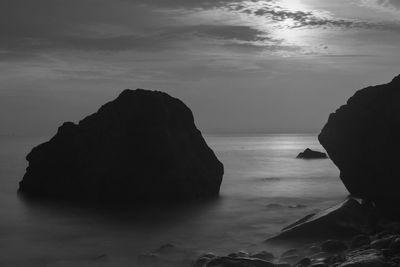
<point x="264" y="189"/>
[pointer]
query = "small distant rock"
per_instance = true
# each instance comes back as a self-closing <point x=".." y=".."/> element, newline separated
<point x="311" y="154"/>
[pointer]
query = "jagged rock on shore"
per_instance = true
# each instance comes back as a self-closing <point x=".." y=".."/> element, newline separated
<point x="362" y="139"/>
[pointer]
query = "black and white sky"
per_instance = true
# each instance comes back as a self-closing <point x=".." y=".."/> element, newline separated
<point x="241" y="65"/>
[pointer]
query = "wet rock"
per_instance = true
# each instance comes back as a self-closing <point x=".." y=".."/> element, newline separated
<point x="238" y="262"/>
<point x="311" y="154"/>
<point x="384" y="242"/>
<point x="290" y="252"/>
<point x="341" y="221"/>
<point x="362" y="139"/>
<point x="239" y="254"/>
<point x="395" y="245"/>
<point x="209" y="255"/>
<point x="383" y="234"/>
<point x="305" y="262"/>
<point x="321" y="256"/>
<point x="336" y="258"/>
<point x="333" y="246"/>
<point x="263" y="255"/>
<point x="290" y="259"/>
<point x="319" y="264"/>
<point x="359" y="241"/>
<point x="201" y="262"/>
<point x="144" y="145"/>
<point x="365" y="258"/>
<point x="313" y="250"/>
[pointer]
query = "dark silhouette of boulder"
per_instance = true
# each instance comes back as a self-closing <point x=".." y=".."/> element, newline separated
<point x="362" y="139"/>
<point x="341" y="221"/>
<point x="143" y="145"/>
<point x="311" y="154"/>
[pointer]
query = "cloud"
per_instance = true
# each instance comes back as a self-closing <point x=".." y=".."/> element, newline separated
<point x="391" y="6"/>
<point x="389" y="3"/>
<point x="160" y="39"/>
<point x="293" y="18"/>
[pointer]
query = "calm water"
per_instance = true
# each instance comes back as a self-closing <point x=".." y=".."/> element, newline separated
<point x="264" y="189"/>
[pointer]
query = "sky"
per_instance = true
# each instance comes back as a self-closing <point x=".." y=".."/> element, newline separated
<point x="242" y="66"/>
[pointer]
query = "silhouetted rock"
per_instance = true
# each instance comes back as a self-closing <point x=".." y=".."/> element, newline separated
<point x="311" y="154"/>
<point x="343" y="220"/>
<point x="362" y="139"/>
<point x="142" y="145"/>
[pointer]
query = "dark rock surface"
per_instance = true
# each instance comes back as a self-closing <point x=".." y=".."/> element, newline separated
<point x="142" y="145"/>
<point x="345" y="219"/>
<point x="237" y="262"/>
<point x="362" y="139"/>
<point x="311" y="154"/>
<point x="333" y="246"/>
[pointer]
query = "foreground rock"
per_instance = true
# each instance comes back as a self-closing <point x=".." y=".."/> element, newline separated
<point x="332" y="253"/>
<point x="142" y="145"/>
<point x="311" y="154"/>
<point x="343" y="220"/>
<point x="362" y="139"/>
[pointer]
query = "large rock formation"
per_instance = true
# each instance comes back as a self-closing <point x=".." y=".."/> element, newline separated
<point x="142" y="145"/>
<point x="363" y="140"/>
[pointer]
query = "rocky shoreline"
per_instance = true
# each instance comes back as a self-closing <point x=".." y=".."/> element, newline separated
<point x="378" y="249"/>
<point x="377" y="245"/>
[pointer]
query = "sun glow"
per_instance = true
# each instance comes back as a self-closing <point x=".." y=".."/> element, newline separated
<point x="292" y="5"/>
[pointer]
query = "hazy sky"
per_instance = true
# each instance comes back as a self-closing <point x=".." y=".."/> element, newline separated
<point x="241" y="65"/>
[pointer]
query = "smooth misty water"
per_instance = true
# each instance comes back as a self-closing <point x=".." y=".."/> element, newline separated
<point x="262" y="185"/>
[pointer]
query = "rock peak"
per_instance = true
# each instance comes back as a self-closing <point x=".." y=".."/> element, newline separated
<point x="396" y="80"/>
